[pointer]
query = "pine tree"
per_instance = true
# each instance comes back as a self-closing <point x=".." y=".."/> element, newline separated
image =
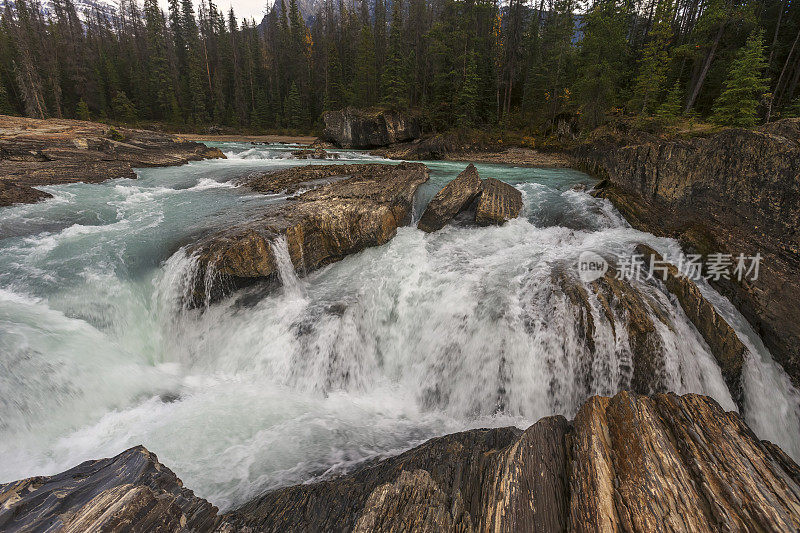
<point x="602" y="62"/>
<point x="654" y="63"/>
<point x="365" y="84"/>
<point x="293" y="109"/>
<point x="670" y="109"/>
<point x="334" y="94"/>
<point x="124" y="110"/>
<point x="744" y="86"/>
<point x="395" y="73"/>
<point x="82" y="111"/>
<point x="469" y="94"/>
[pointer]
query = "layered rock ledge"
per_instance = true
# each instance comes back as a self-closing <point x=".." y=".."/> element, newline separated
<point x="627" y="463"/>
<point x="369" y="128"/>
<point x="56" y="151"/>
<point x="736" y="192"/>
<point x="349" y="208"/>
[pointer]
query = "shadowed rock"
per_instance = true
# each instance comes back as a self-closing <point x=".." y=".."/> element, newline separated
<point x="734" y="192"/>
<point x="627" y="463"/>
<point x="369" y="128"/>
<point x="54" y="151"/>
<point x="718" y="334"/>
<point x="349" y="208"/>
<point x="456" y="196"/>
<point x="129" y="492"/>
<point x="497" y="203"/>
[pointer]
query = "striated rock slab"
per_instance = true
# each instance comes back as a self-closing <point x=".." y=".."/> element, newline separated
<point x="497" y="203"/>
<point x="456" y="196"/>
<point x="129" y="492"/>
<point x="734" y="192"/>
<point x="627" y="463"/>
<point x="718" y="334"/>
<point x="54" y="151"/>
<point x="349" y="208"/>
<point x="369" y="128"/>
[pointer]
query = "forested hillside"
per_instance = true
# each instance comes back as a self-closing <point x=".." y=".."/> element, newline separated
<point x="461" y="62"/>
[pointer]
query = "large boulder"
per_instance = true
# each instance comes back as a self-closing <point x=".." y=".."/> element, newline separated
<point x="129" y="492"/>
<point x="497" y="203"/>
<point x="369" y="128"/>
<point x="349" y="208"/>
<point x="452" y="199"/>
<point x="733" y="192"/>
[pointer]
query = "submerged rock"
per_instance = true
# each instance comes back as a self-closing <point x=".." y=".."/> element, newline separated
<point x="54" y="151"/>
<point x="733" y="192"/>
<point x="369" y="128"/>
<point x="497" y="203"/>
<point x="456" y="196"/>
<point x="311" y="153"/>
<point x="627" y="463"/>
<point x="349" y="208"/>
<point x="129" y="492"/>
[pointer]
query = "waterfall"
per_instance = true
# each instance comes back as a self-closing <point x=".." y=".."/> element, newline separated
<point x="429" y="334"/>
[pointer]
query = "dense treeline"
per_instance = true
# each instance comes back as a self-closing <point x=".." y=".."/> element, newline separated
<point x="463" y="62"/>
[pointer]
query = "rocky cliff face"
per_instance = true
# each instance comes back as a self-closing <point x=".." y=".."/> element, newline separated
<point x="627" y="463"/>
<point x="349" y="208"/>
<point x="736" y="192"/>
<point x="364" y="128"/>
<point x="45" y="152"/>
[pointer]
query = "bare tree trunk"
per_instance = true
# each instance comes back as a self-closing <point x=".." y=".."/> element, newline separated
<point x="780" y="78"/>
<point x="704" y="71"/>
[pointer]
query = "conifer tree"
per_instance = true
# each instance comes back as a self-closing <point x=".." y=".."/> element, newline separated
<point x="602" y="61"/>
<point x="82" y="111"/>
<point x="395" y="75"/>
<point x="654" y="63"/>
<point x="293" y="109"/>
<point x="469" y="95"/>
<point x="744" y="86"/>
<point x="334" y="94"/>
<point x="670" y="109"/>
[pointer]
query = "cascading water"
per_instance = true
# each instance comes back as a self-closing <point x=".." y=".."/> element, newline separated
<point x="429" y="334"/>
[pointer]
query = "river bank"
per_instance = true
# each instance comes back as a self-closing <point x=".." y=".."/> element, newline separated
<point x="37" y="152"/>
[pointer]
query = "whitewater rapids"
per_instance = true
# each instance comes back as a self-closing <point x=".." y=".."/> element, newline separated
<point x="427" y="335"/>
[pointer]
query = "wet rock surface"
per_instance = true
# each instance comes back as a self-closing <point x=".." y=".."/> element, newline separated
<point x="629" y="463"/>
<point x="497" y="203"/>
<point x="55" y="151"/>
<point x="456" y="196"/>
<point x="311" y="153"/>
<point x="718" y="334"/>
<point x="369" y="128"/>
<point x="626" y="463"/>
<point x="735" y="192"/>
<point x="129" y="492"/>
<point x="349" y="208"/>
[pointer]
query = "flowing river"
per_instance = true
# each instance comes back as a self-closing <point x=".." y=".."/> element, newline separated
<point x="426" y="335"/>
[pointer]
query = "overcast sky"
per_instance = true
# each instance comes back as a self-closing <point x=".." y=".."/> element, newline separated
<point x="243" y="8"/>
